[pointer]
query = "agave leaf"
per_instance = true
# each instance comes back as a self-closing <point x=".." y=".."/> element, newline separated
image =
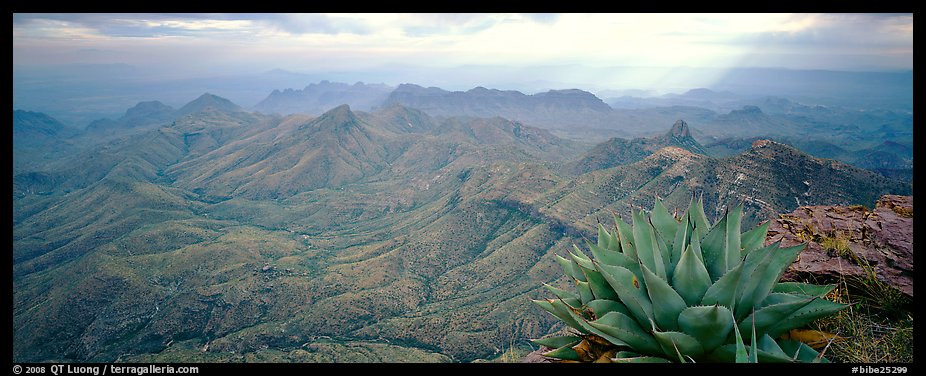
<point x="570" y="298"/>
<point x="548" y="305"/>
<point x="609" y="257"/>
<point x="674" y="343"/>
<point x="690" y="278"/>
<point x="604" y="238"/>
<point x="601" y="307"/>
<point x="570" y="268"/>
<point x="754" y="354"/>
<point x="626" y="329"/>
<point x="772" y="315"/>
<point x="696" y="211"/>
<point x="665" y="254"/>
<point x="599" y="286"/>
<point x="803" y="288"/>
<point x="557" y="342"/>
<point x="712" y="248"/>
<point x="781" y="297"/>
<point x="741" y="355"/>
<point x="625" y="235"/>
<point x="724" y="291"/>
<point x="800" y="351"/>
<point x="667" y="304"/>
<point x="760" y="282"/>
<point x="754" y="267"/>
<point x="817" y="308"/>
<point x="727" y="353"/>
<point x="580" y="258"/>
<point x="631" y="290"/>
<point x="594" y="330"/>
<point x="644" y="237"/>
<point x="753" y="239"/>
<point x="732" y="243"/>
<point x="664" y="223"/>
<point x="710" y="325"/>
<point x="768" y="345"/>
<point x="585" y="292"/>
<point x="682" y="239"/>
<point x="564" y="353"/>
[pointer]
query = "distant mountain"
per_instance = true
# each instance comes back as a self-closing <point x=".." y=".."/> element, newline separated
<point x="618" y="151"/>
<point x="206" y="102"/>
<point x="318" y="98"/>
<point x="35" y="127"/>
<point x="142" y="115"/>
<point x="552" y="109"/>
<point x="39" y="138"/>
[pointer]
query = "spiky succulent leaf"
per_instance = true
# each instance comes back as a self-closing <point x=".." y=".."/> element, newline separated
<point x="676" y="343"/>
<point x="585" y="292"/>
<point x="741" y="355"/>
<point x="803" y="288"/>
<point x="570" y="298"/>
<point x="732" y="242"/>
<point x="712" y="248"/>
<point x="604" y="238"/>
<point x="769" y="316"/>
<point x="561" y="311"/>
<point x="724" y="290"/>
<point x="760" y="281"/>
<point x="631" y="289"/>
<point x="696" y="211"/>
<point x="799" y="351"/>
<point x="644" y="237"/>
<point x="667" y="304"/>
<point x="598" y="285"/>
<point x="594" y="330"/>
<point x="628" y="330"/>
<point x="710" y="325"/>
<point x="602" y="307"/>
<point x="753" y="239"/>
<point x="690" y="278"/>
<point x="610" y="257"/>
<point x="664" y="223"/>
<point x="557" y="342"/>
<point x="569" y="267"/>
<point x="564" y="353"/>
<point x="682" y="239"/>
<point x="816" y="309"/>
<point x="625" y="235"/>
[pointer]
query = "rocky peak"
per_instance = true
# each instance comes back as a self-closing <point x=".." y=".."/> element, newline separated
<point x="680" y="129"/>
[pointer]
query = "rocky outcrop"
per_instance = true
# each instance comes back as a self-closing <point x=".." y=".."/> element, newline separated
<point x="844" y="241"/>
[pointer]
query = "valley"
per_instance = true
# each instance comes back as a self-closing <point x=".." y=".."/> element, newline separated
<point x="390" y="234"/>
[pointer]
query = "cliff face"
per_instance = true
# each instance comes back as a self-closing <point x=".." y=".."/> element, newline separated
<point x="845" y="240"/>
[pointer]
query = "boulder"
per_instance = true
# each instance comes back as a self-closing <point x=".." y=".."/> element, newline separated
<point x="844" y="241"/>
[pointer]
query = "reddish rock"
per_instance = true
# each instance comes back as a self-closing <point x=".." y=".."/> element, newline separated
<point x="882" y="238"/>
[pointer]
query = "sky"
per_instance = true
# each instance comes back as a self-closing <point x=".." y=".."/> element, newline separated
<point x="192" y="43"/>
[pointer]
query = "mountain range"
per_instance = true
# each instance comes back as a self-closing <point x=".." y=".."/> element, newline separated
<point x="211" y="233"/>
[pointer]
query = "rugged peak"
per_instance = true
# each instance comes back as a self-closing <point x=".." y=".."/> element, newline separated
<point x="336" y="118"/>
<point x="680" y="129"/>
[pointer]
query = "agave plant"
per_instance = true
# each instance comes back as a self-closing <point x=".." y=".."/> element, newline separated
<point x="683" y="290"/>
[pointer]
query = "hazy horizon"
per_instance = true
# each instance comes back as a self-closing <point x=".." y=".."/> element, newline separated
<point x="103" y="63"/>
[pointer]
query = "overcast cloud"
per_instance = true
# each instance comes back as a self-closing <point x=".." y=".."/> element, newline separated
<point x="316" y="43"/>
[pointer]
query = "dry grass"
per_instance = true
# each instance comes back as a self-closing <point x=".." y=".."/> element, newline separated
<point x="877" y="326"/>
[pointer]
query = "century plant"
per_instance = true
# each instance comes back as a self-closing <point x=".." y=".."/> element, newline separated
<point x="683" y="290"/>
